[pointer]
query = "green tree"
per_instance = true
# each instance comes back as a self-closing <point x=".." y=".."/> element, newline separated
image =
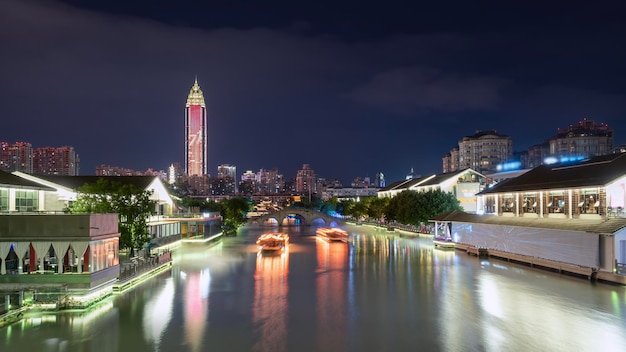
<point x="411" y="207"/>
<point x="359" y="209"/>
<point x="377" y="207"/>
<point x="434" y="202"/>
<point x="132" y="205"/>
<point x="233" y="213"/>
<point x="200" y="204"/>
<point x="330" y="206"/>
<point x="345" y="206"/>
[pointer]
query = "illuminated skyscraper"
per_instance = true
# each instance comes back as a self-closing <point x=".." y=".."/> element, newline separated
<point x="195" y="133"/>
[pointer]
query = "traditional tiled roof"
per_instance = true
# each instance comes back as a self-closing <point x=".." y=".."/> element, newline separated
<point x="604" y="226"/>
<point x="431" y="180"/>
<point x="11" y="181"/>
<point x="593" y="172"/>
<point x="395" y="185"/>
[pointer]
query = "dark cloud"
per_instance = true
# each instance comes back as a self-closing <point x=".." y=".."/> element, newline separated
<point x="425" y="88"/>
<point x="349" y="95"/>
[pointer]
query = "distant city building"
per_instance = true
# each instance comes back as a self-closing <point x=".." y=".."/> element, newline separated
<point x="379" y="181"/>
<point x="451" y="160"/>
<point x="197" y="185"/>
<point x="585" y="139"/>
<point x="270" y="181"/>
<point x="359" y="182"/>
<point x="226" y="180"/>
<point x="353" y="193"/>
<point x="412" y="174"/>
<point x="55" y="161"/>
<point x="482" y="152"/>
<point x="535" y="155"/>
<point x="248" y="176"/>
<point x="173" y="173"/>
<point x="580" y="141"/>
<point x="108" y="170"/>
<point x="247" y="185"/>
<point x="16" y="157"/>
<point x="306" y="182"/>
<point x="195" y="133"/>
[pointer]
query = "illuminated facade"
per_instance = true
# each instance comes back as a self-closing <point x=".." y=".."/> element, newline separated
<point x="463" y="184"/>
<point x="195" y="133"/>
<point x="586" y="138"/>
<point x="482" y="151"/>
<point x="306" y="180"/>
<point x="567" y="216"/>
<point x="16" y="157"/>
<point x="55" y="161"/>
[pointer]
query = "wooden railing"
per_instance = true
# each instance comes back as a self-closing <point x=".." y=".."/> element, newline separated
<point x="139" y="265"/>
<point x="621" y="268"/>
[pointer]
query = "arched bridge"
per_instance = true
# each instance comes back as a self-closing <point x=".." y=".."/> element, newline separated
<point x="294" y="216"/>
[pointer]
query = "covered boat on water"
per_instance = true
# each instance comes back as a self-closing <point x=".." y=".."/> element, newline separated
<point x="332" y="234"/>
<point x="273" y="242"/>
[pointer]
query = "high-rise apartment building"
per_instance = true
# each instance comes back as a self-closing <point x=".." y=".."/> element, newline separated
<point x="195" y="132"/>
<point x="16" y="157"/>
<point x="227" y="174"/>
<point x="451" y="160"/>
<point x="482" y="152"/>
<point x="306" y="180"/>
<point x="270" y="181"/>
<point x="585" y="139"/>
<point x="56" y="161"/>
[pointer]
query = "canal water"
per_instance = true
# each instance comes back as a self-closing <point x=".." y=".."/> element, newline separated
<point x="379" y="292"/>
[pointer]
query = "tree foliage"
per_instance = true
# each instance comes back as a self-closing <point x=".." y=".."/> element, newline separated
<point x="200" y="205"/>
<point x="330" y="206"/>
<point x="132" y="204"/>
<point x="376" y="207"/>
<point x="411" y="207"/>
<point x="233" y="213"/>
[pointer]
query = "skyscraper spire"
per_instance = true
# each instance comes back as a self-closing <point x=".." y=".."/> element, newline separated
<point x="195" y="96"/>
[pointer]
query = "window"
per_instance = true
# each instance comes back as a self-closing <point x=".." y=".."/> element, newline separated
<point x="589" y="201"/>
<point x="4" y="200"/>
<point x="26" y="201"/>
<point x="530" y="203"/>
<point x="508" y="204"/>
<point x="556" y="202"/>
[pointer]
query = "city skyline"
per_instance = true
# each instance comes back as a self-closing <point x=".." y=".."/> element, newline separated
<point x="352" y="92"/>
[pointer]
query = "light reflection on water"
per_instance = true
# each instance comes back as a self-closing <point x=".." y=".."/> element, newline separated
<point x="379" y="292"/>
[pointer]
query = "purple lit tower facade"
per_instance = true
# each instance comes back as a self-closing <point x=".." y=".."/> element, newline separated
<point x="195" y="133"/>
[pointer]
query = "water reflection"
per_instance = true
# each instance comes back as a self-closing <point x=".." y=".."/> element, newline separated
<point x="269" y="308"/>
<point x="379" y="292"/>
<point x="331" y="290"/>
<point x="196" y="306"/>
<point x="89" y="330"/>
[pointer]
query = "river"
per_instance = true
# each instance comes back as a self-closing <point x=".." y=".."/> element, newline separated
<point x="379" y="292"/>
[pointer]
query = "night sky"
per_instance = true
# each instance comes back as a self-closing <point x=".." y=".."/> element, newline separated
<point x="351" y="88"/>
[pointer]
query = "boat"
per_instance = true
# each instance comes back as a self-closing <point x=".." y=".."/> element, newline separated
<point x="332" y="234"/>
<point x="273" y="242"/>
<point x="444" y="243"/>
